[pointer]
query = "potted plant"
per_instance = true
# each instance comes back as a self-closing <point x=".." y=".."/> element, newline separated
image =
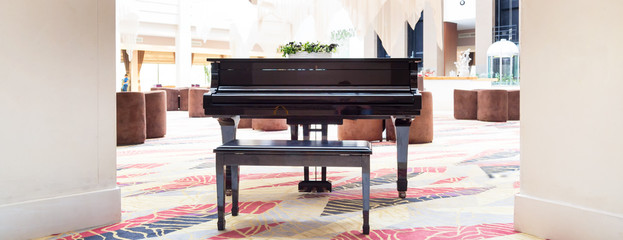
<point x="307" y="49"/>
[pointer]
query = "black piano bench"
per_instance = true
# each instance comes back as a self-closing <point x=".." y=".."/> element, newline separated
<point x="290" y="153"/>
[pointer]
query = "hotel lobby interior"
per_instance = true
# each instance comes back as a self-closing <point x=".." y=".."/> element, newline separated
<point x="87" y="154"/>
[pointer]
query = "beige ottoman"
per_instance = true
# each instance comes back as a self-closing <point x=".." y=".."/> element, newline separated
<point x="172" y="97"/>
<point x="183" y="91"/>
<point x="513" y="104"/>
<point x="361" y="129"/>
<point x="155" y="114"/>
<point x="421" y="129"/>
<point x="195" y="102"/>
<point x="492" y="105"/>
<point x="245" y="123"/>
<point x="465" y="104"/>
<point x="269" y="124"/>
<point x="130" y="118"/>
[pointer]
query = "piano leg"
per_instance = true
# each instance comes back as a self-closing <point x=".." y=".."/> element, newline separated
<point x="228" y="133"/>
<point x="402" y="151"/>
<point x="220" y="194"/>
<point x="325" y="137"/>
<point x="365" y="195"/>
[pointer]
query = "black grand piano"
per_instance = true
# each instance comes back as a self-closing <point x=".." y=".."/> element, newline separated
<point x="317" y="91"/>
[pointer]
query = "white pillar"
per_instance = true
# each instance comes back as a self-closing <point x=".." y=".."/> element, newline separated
<point x="433" y="36"/>
<point x="571" y="155"/>
<point x="369" y="43"/>
<point x="484" y="33"/>
<point x="400" y="49"/>
<point x="182" y="45"/>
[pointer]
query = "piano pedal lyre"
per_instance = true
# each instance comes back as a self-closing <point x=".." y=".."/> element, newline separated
<point x="314" y="186"/>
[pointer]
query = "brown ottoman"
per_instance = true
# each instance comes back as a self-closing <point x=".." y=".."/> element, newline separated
<point x="421" y="129"/>
<point x="130" y="118"/>
<point x="269" y="124"/>
<point x="172" y="97"/>
<point x="245" y="123"/>
<point x="195" y="102"/>
<point x="493" y="105"/>
<point x="183" y="91"/>
<point x="155" y="114"/>
<point x="513" y="104"/>
<point x="465" y="104"/>
<point x="361" y="129"/>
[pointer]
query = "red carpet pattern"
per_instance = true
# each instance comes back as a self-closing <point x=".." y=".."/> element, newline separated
<point x="461" y="186"/>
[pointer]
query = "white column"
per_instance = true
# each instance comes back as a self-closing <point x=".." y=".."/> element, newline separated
<point x="58" y="157"/>
<point x="484" y="32"/>
<point x="400" y="49"/>
<point x="433" y="36"/>
<point x="183" y="45"/>
<point x="369" y="44"/>
<point x="571" y="120"/>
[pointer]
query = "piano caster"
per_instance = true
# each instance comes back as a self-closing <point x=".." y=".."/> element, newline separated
<point x="228" y="192"/>
<point x="220" y="225"/>
<point x="402" y="194"/>
<point x="366" y="230"/>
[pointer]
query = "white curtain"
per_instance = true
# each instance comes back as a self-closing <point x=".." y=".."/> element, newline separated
<point x="270" y="23"/>
<point x="385" y="17"/>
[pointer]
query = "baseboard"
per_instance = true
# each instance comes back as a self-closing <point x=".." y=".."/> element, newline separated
<point x="560" y="220"/>
<point x="39" y="218"/>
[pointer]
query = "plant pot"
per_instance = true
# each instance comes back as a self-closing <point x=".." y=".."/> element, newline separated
<point x="309" y="55"/>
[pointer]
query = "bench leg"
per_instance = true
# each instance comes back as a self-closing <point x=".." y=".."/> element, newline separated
<point x="402" y="151"/>
<point x="365" y="189"/>
<point x="220" y="192"/>
<point x="234" y="189"/>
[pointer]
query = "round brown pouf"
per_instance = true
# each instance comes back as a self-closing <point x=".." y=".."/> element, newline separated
<point x="195" y="102"/>
<point x="183" y="98"/>
<point x="172" y="97"/>
<point x="130" y="118"/>
<point x="269" y="124"/>
<point x="513" y="104"/>
<point x="155" y="114"/>
<point x="361" y="129"/>
<point x="493" y="105"/>
<point x="421" y="129"/>
<point x="245" y="123"/>
<point x="465" y="104"/>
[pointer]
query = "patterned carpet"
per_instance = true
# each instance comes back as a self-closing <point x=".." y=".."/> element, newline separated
<point x="461" y="186"/>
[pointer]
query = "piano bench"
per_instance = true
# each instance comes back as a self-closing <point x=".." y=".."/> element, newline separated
<point x="290" y="153"/>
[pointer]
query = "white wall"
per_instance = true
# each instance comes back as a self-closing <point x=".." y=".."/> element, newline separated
<point x="484" y="33"/>
<point x="572" y="120"/>
<point x="57" y="124"/>
<point x="433" y="36"/>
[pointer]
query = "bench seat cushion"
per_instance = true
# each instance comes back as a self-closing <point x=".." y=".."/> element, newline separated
<point x="295" y="147"/>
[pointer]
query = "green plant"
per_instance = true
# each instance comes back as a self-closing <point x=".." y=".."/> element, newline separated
<point x="293" y="47"/>
<point x="342" y="35"/>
